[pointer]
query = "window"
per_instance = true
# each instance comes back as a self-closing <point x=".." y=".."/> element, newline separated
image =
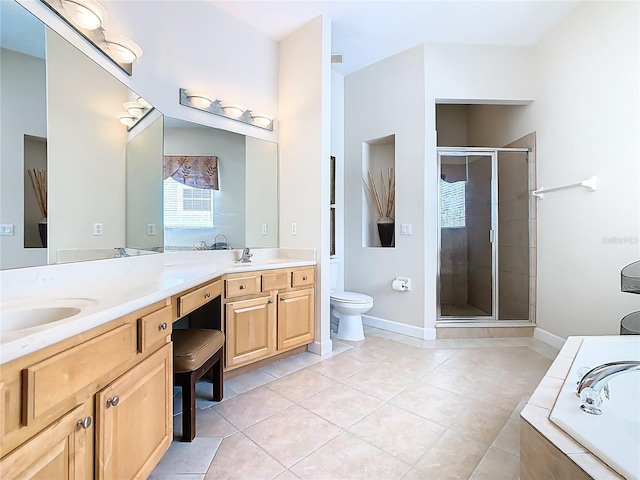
<point x="452" y="204"/>
<point x="187" y="207"/>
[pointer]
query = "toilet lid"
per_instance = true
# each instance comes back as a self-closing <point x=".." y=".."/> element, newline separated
<point x="351" y="297"/>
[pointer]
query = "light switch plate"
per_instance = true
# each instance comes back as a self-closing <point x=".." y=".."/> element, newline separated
<point x="406" y="229"/>
<point x="264" y="228"/>
<point x="6" y="229"/>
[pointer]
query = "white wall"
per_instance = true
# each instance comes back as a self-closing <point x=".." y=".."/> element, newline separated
<point x="23" y="99"/>
<point x="261" y="193"/>
<point x="188" y="44"/>
<point x="587" y="118"/>
<point x="305" y="150"/>
<point x="384" y="99"/>
<point x="84" y="188"/>
<point x="229" y="201"/>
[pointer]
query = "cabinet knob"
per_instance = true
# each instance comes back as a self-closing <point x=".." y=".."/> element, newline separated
<point x="282" y="299"/>
<point x="163" y="326"/>
<point x="84" y="423"/>
<point x="114" y="401"/>
<point x="270" y="300"/>
<point x="207" y="295"/>
<point x="305" y="278"/>
<point x="242" y="287"/>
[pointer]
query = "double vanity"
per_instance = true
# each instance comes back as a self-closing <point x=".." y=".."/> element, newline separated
<point x="86" y="359"/>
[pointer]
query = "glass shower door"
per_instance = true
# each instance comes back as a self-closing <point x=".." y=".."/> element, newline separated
<point x="467" y="232"/>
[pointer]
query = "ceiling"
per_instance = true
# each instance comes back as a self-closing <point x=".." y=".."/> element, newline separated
<point x="368" y="31"/>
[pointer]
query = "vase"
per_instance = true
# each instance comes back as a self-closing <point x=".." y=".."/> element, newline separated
<point x="386" y="227"/>
<point x="42" y="229"/>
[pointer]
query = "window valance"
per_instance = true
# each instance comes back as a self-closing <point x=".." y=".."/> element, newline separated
<point x="197" y="172"/>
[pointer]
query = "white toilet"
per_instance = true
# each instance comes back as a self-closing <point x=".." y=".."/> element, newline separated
<point x="348" y="308"/>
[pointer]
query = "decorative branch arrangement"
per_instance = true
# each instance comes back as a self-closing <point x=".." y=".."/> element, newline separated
<point x="384" y="203"/>
<point x="38" y="177"/>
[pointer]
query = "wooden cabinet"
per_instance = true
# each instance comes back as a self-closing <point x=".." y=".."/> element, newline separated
<point x="250" y="330"/>
<point x="62" y="451"/>
<point x="295" y="318"/>
<point x="134" y="419"/>
<point x="189" y="301"/>
<point x="48" y="399"/>
<point x="267" y="313"/>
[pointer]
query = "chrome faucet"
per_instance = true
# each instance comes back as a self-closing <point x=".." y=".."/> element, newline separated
<point x="595" y="381"/>
<point x="121" y="252"/>
<point x="246" y="256"/>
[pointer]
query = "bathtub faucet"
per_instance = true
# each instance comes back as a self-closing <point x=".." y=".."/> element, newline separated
<point x="596" y="380"/>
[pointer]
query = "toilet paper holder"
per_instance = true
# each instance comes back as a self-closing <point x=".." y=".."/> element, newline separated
<point x="401" y="284"/>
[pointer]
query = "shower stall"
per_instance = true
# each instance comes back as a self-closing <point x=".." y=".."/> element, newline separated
<point x="484" y="234"/>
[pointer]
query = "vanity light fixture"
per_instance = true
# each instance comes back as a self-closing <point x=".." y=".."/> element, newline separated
<point x="87" y="17"/>
<point x="144" y="103"/>
<point x="135" y="111"/>
<point x="210" y="104"/>
<point x="86" y="14"/>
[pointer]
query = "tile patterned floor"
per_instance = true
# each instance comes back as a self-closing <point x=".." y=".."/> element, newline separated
<point x="389" y="407"/>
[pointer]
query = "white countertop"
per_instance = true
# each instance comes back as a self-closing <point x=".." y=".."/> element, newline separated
<point x="104" y="290"/>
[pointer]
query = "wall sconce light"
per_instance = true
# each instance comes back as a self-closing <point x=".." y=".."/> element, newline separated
<point x="135" y="111"/>
<point x="210" y="104"/>
<point x="87" y="17"/>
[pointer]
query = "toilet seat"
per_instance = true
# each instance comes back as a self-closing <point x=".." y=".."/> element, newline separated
<point x="351" y="297"/>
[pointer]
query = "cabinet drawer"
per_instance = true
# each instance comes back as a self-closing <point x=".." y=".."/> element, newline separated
<point x="302" y="278"/>
<point x="236" y="287"/>
<point x="55" y="379"/>
<point x="275" y="280"/>
<point x="189" y="302"/>
<point x="154" y="327"/>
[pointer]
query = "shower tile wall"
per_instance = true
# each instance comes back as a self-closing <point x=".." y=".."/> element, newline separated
<point x="513" y="236"/>
<point x="478" y="209"/>
<point x="453" y="266"/>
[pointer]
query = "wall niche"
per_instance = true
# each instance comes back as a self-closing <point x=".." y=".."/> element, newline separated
<point x="378" y="193"/>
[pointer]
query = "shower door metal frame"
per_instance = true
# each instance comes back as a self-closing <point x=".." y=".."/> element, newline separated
<point x="493" y="233"/>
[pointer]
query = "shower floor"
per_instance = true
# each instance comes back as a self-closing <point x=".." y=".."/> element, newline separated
<point x="461" y="310"/>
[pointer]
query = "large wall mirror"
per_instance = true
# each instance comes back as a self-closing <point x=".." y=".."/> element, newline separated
<point x="235" y="205"/>
<point x="60" y="113"/>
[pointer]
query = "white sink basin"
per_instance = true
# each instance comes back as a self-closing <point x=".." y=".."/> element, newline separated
<point x="20" y="317"/>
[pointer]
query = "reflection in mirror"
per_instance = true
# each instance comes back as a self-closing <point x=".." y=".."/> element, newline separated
<point x="70" y="105"/>
<point x="241" y="212"/>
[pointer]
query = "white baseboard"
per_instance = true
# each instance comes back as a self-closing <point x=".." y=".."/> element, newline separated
<point x="549" y="338"/>
<point x="391" y="326"/>
<point x="429" y="333"/>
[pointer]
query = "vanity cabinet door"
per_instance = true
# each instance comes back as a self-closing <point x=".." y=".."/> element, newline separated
<point x="63" y="450"/>
<point x="295" y="318"/>
<point x="134" y="419"/>
<point x="250" y="330"/>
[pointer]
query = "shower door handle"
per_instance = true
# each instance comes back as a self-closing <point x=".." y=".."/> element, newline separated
<point x="492" y="236"/>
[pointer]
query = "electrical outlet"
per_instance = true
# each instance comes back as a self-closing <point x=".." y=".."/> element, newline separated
<point x="294" y="229"/>
<point x="151" y="228"/>
<point x="97" y="229"/>
<point x="6" y="229"/>
<point x="264" y="228"/>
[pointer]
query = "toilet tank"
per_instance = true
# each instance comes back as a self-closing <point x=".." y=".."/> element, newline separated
<point x="334" y="270"/>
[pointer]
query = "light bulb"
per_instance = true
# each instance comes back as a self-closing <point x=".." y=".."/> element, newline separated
<point x="126" y="119"/>
<point x="262" y="120"/>
<point x="234" y="111"/>
<point x="134" y="108"/>
<point x="122" y="49"/>
<point x="87" y="14"/>
<point x="199" y="99"/>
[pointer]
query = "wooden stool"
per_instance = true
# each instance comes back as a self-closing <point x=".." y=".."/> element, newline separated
<point x="195" y="352"/>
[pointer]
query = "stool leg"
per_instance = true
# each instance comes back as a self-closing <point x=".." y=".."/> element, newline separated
<point x="217" y="380"/>
<point x="189" y="409"/>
